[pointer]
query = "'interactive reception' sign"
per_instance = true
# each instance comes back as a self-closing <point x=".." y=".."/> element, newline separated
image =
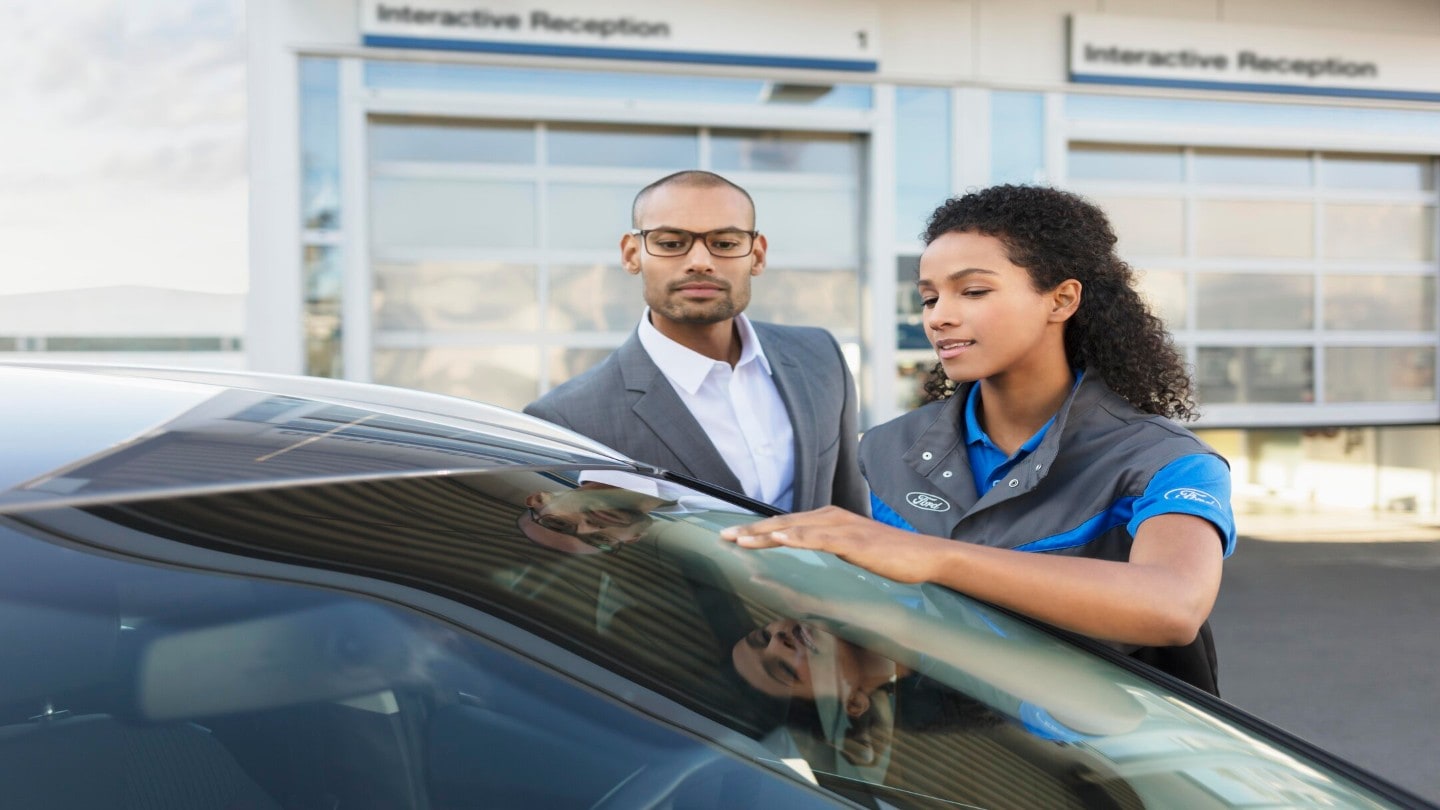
<point x="743" y="32"/>
<point x="1220" y="56"/>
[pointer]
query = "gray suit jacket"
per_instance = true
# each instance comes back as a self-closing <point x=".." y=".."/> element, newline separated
<point x="625" y="402"/>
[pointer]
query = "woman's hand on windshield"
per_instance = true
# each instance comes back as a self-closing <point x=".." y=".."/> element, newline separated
<point x="890" y="552"/>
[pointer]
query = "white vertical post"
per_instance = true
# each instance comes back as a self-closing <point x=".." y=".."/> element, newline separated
<point x="274" y="312"/>
<point x="878" y="327"/>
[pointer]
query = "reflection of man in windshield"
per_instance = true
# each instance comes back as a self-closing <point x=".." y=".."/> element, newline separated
<point x="592" y="518"/>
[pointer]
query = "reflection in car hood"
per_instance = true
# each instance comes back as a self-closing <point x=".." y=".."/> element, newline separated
<point x="134" y="434"/>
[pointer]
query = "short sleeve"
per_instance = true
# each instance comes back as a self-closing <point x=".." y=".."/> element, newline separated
<point x="1196" y="485"/>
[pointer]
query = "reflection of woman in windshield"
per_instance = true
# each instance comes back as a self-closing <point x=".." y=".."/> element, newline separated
<point x="807" y="665"/>
<point x="785" y="658"/>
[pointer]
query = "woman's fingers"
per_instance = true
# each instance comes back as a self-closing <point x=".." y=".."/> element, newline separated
<point x="760" y="539"/>
<point x="786" y="530"/>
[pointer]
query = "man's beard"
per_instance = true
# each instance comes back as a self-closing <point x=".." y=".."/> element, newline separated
<point x="704" y="313"/>
<point x="701" y="314"/>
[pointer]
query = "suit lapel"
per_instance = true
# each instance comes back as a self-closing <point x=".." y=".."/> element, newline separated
<point x="799" y="404"/>
<point x="663" y="412"/>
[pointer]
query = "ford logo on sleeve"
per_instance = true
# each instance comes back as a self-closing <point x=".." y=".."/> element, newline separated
<point x="928" y="502"/>
<point x="1196" y="495"/>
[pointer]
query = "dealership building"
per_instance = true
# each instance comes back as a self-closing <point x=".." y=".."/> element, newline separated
<point x="439" y="188"/>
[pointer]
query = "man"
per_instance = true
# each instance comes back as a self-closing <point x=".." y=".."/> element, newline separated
<point x="758" y="408"/>
<point x="593" y="518"/>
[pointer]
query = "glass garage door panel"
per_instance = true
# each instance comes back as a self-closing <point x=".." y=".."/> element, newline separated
<point x="500" y="375"/>
<point x="451" y="296"/>
<point x="664" y="150"/>
<point x="1380" y="303"/>
<point x="450" y="141"/>
<point x="597" y="297"/>
<point x="1380" y="373"/>
<point x="426" y="212"/>
<point x="588" y="216"/>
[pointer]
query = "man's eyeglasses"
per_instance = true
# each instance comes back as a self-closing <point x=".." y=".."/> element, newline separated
<point x="595" y="540"/>
<point x="726" y="243"/>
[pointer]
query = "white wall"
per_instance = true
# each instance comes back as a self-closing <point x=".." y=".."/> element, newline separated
<point x="123" y="312"/>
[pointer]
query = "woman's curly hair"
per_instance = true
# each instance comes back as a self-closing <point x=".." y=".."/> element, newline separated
<point x="1056" y="235"/>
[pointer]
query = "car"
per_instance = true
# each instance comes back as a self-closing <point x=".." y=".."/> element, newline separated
<point x="234" y="590"/>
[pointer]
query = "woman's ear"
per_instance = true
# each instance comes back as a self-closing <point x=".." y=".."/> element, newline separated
<point x="1065" y="299"/>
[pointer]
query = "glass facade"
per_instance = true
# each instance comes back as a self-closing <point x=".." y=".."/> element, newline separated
<point x="494" y="260"/>
<point x="1291" y="278"/>
<point x="322" y="272"/>
<point x="1017" y="137"/>
<point x="1300" y="283"/>
<point x="923" y="161"/>
<point x="320" y="143"/>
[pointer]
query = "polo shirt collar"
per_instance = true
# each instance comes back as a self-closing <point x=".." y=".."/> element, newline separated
<point x="977" y="434"/>
<point x="688" y="368"/>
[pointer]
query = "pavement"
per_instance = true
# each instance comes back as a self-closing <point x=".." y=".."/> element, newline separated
<point x="1326" y="626"/>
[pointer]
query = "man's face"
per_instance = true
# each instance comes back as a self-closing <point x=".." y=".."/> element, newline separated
<point x="696" y="288"/>
<point x="588" y="519"/>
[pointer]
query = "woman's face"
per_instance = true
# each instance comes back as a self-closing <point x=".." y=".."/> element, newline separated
<point x="792" y="659"/>
<point x="981" y="311"/>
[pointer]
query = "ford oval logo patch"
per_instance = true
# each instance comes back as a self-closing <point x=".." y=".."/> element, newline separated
<point x="928" y="502"/>
<point x="1196" y="495"/>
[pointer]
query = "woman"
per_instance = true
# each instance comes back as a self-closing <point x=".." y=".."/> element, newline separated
<point x="1051" y="432"/>
<point x="804" y="665"/>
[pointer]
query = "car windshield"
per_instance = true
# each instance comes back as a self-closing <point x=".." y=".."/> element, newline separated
<point x="458" y="640"/>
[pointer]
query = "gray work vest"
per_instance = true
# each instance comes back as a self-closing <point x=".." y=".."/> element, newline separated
<point x="1099" y="450"/>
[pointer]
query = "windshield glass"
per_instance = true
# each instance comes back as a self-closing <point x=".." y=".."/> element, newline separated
<point x="872" y="690"/>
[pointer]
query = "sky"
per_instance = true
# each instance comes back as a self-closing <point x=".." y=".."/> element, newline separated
<point x="122" y="145"/>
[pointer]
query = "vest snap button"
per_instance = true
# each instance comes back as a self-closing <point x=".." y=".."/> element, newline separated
<point x="927" y="455"/>
<point x="946" y="474"/>
<point x="1014" y="482"/>
<point x="1037" y="468"/>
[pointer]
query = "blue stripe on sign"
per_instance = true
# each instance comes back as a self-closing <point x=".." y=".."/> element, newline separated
<point x="694" y="57"/>
<point x="882" y="512"/>
<point x="1289" y="89"/>
<point x="1117" y="515"/>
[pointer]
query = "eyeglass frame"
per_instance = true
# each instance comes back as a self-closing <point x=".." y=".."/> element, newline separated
<point x="609" y="547"/>
<point x="694" y="235"/>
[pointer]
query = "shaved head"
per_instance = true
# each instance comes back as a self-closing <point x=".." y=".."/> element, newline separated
<point x="690" y="178"/>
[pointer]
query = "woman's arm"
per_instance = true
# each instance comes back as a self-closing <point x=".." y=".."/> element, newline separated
<point x="1159" y="597"/>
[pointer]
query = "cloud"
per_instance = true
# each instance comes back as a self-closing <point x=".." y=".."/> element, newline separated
<point x="102" y="86"/>
<point x="122" y="143"/>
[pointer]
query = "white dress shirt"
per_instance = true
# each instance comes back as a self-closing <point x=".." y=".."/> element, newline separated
<point x="739" y="409"/>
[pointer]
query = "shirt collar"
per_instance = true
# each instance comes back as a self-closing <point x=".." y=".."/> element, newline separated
<point x="976" y="434"/>
<point x="688" y="368"/>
